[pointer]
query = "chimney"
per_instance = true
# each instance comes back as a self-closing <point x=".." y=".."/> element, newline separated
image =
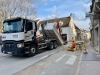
<point x="70" y="14"/>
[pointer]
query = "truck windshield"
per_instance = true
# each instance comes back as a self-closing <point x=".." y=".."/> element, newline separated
<point x="13" y="26"/>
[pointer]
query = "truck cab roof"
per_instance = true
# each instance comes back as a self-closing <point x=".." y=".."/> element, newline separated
<point x="12" y="19"/>
<point x="17" y="18"/>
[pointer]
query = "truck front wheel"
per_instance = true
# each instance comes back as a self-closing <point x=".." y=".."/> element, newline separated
<point x="32" y="50"/>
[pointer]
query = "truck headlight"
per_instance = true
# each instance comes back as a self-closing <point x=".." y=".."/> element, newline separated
<point x="20" y="45"/>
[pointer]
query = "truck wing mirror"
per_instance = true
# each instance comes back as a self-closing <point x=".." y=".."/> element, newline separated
<point x="25" y="31"/>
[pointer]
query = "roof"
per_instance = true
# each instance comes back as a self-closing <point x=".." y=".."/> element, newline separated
<point x="82" y="30"/>
<point x="18" y="18"/>
<point x="65" y="21"/>
<point x="76" y="27"/>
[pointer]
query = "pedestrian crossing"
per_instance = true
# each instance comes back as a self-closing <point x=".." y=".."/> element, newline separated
<point x="71" y="60"/>
<point x="61" y="66"/>
<point x="60" y="58"/>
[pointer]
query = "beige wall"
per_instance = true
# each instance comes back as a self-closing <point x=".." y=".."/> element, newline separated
<point x="72" y="30"/>
<point x="78" y="34"/>
<point x="83" y="35"/>
<point x="88" y="35"/>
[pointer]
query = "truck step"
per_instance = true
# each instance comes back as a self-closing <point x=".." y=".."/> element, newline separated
<point x="42" y="43"/>
<point x="26" y="52"/>
<point x="43" y="47"/>
<point x="26" y="47"/>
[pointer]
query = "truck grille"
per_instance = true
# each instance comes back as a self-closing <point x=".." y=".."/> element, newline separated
<point x="9" y="47"/>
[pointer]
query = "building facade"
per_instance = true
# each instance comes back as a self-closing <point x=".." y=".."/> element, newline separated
<point x="70" y="30"/>
<point x="95" y="24"/>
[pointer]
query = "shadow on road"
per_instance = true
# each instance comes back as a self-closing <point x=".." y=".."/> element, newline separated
<point x="24" y="56"/>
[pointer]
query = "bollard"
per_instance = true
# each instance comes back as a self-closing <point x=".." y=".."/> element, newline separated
<point x="85" y="52"/>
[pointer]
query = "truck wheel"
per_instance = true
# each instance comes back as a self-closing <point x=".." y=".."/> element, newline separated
<point x="51" y="46"/>
<point x="55" y="45"/>
<point x="32" y="50"/>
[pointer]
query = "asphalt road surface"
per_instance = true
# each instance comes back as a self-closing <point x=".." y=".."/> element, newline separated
<point x="11" y="64"/>
<point x="61" y="66"/>
<point x="61" y="63"/>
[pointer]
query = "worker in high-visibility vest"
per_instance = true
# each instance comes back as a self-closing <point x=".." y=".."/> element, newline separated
<point x="73" y="45"/>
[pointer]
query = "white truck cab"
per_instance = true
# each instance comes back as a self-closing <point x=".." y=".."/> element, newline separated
<point x="19" y="36"/>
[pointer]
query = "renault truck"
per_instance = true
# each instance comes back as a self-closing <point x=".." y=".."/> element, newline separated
<point x="19" y="37"/>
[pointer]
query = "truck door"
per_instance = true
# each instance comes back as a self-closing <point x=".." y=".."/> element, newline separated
<point x="29" y="32"/>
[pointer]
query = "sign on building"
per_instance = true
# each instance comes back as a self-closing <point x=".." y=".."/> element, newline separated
<point x="88" y="14"/>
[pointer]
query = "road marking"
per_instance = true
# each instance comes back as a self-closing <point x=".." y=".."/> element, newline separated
<point x="60" y="58"/>
<point x="71" y="60"/>
<point x="53" y="53"/>
<point x="44" y="57"/>
<point x="78" y="66"/>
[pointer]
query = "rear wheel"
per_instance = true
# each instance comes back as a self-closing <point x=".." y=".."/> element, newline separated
<point x="55" y="45"/>
<point x="32" y="50"/>
<point x="51" y="45"/>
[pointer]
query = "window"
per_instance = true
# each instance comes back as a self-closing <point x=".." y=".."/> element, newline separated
<point x="13" y="26"/>
<point x="29" y="26"/>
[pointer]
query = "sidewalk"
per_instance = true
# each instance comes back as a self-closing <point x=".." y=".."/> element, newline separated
<point x="90" y="63"/>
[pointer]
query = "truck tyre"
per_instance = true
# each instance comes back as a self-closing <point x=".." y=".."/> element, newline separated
<point x="51" y="45"/>
<point x="55" y="45"/>
<point x="32" y="50"/>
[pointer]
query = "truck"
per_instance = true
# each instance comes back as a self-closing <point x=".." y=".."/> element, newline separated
<point x="19" y="37"/>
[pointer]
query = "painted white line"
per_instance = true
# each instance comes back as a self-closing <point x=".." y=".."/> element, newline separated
<point x="53" y="53"/>
<point x="71" y="60"/>
<point x="44" y="57"/>
<point x="60" y="58"/>
<point x="79" y="64"/>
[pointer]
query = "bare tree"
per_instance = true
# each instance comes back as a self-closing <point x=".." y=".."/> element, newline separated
<point x="16" y="8"/>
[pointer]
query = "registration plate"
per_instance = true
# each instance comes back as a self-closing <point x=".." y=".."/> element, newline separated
<point x="9" y="52"/>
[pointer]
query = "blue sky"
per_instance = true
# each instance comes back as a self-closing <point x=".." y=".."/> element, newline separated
<point x="48" y="9"/>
